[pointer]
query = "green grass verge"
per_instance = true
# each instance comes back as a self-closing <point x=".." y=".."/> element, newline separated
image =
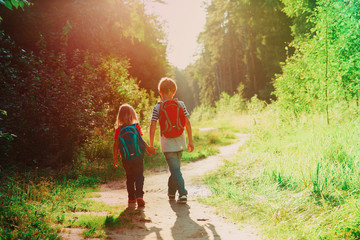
<point x="295" y="179"/>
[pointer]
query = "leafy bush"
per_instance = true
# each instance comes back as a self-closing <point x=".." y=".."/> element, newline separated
<point x="55" y="101"/>
<point x="230" y="104"/>
<point x="226" y="105"/>
<point x="202" y="112"/>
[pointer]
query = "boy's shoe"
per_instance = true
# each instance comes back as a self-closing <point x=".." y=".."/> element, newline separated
<point x="182" y="199"/>
<point x="140" y="202"/>
<point x="132" y="201"/>
<point x="171" y="197"/>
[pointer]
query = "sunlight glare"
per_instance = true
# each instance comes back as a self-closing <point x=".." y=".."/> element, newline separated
<point x="185" y="20"/>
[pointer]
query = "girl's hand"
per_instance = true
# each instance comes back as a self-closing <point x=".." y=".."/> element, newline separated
<point x="116" y="163"/>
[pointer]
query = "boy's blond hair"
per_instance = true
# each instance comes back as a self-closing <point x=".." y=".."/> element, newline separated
<point x="126" y="116"/>
<point x="167" y="86"/>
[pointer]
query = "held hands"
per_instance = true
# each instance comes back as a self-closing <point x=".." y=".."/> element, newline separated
<point x="150" y="150"/>
<point x="116" y="163"/>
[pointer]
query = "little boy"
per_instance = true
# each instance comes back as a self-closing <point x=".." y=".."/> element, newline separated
<point x="172" y="147"/>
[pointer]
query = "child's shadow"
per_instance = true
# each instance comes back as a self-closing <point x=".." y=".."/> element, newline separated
<point x="186" y="228"/>
<point x="130" y="218"/>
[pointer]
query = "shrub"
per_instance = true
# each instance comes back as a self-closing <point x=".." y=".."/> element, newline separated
<point x="55" y="101"/>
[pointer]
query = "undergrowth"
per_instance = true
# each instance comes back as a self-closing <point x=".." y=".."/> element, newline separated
<point x="297" y="177"/>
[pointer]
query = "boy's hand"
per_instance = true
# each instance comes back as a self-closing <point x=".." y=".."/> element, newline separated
<point x="150" y="150"/>
<point x="190" y="146"/>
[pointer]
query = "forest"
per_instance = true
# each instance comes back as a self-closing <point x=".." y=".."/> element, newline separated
<point x="291" y="66"/>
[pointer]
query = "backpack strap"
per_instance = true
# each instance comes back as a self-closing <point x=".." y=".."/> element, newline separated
<point x="167" y="122"/>
<point x="177" y="116"/>
<point x="136" y="140"/>
<point x="125" y="147"/>
<point x="178" y="125"/>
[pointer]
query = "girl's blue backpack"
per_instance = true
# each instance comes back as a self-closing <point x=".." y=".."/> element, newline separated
<point x="131" y="144"/>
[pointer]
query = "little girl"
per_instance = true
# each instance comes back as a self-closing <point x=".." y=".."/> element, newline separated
<point x="134" y="170"/>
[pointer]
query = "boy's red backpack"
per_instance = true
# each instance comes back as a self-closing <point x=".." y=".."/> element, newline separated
<point x="171" y="118"/>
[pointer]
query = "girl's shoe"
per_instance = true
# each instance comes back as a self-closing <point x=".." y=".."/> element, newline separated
<point x="132" y="201"/>
<point x="140" y="202"/>
<point x="171" y="197"/>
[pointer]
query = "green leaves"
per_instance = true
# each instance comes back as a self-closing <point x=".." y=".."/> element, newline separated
<point x="14" y="3"/>
<point x="55" y="102"/>
<point x="6" y="3"/>
<point x="61" y="85"/>
<point x="324" y="69"/>
<point x="3" y="112"/>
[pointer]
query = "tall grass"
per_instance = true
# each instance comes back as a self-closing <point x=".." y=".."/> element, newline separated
<point x="298" y="177"/>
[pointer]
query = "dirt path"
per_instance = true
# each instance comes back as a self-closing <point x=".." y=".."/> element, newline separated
<point x="161" y="219"/>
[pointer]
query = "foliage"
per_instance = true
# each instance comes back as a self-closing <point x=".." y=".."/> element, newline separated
<point x="296" y="177"/>
<point x="7" y="136"/>
<point x="35" y="204"/>
<point x="117" y="28"/>
<point x="26" y="205"/>
<point x="14" y="3"/>
<point x="229" y="104"/>
<point x="225" y="106"/>
<point x="323" y="70"/>
<point x="300" y="11"/>
<point x="243" y="43"/>
<point x="54" y="105"/>
<point x="202" y="113"/>
<point x="66" y="69"/>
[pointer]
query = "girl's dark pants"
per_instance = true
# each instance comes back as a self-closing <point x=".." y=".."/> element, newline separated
<point x="134" y="179"/>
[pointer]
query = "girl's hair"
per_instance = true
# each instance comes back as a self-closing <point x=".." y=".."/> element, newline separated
<point x="126" y="116"/>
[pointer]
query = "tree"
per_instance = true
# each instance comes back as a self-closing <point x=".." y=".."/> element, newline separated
<point x="244" y="43"/>
<point x="119" y="28"/>
<point x="64" y="74"/>
<point x="323" y="70"/>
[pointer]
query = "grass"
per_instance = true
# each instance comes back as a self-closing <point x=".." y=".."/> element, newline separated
<point x="37" y="204"/>
<point x="296" y="178"/>
<point x="94" y="233"/>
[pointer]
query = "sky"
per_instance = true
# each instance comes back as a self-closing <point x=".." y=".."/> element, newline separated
<point x="185" y="20"/>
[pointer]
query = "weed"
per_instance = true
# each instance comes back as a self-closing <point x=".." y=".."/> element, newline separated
<point x="94" y="233"/>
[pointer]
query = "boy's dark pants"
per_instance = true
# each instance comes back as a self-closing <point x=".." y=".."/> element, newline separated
<point x="134" y="179"/>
